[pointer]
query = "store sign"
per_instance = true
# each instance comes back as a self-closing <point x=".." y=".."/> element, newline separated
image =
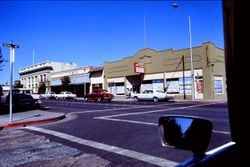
<point x="200" y="86"/>
<point x="138" y="67"/>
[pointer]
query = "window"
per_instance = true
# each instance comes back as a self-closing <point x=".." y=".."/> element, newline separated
<point x="218" y="85"/>
<point x="172" y="85"/>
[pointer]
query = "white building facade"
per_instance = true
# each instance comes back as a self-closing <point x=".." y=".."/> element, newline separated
<point x="31" y="77"/>
<point x="96" y="78"/>
<point x="79" y="80"/>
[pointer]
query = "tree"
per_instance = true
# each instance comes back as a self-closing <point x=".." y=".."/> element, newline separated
<point x="18" y="84"/>
<point x="42" y="88"/>
<point x="65" y="82"/>
<point x="2" y="60"/>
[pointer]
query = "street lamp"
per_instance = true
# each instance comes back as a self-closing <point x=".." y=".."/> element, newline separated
<point x="12" y="58"/>
<point x="175" y="5"/>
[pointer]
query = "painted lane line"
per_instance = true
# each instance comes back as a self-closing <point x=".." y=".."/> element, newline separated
<point x="114" y="109"/>
<point x="124" y="152"/>
<point x="111" y="117"/>
<point x="151" y="124"/>
<point x="154" y="111"/>
<point x="222" y="132"/>
<point x="128" y="121"/>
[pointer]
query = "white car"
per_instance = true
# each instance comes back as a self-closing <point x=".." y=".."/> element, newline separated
<point x="48" y="95"/>
<point x="154" y="95"/>
<point x="65" y="95"/>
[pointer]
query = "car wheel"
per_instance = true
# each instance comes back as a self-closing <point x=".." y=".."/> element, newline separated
<point x="136" y="98"/>
<point x="155" y="99"/>
<point x="86" y="99"/>
<point x="99" y="100"/>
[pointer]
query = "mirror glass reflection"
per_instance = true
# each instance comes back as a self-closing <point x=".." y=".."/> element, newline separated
<point x="189" y="133"/>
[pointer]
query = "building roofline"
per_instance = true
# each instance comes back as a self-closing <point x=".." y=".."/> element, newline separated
<point x="95" y="69"/>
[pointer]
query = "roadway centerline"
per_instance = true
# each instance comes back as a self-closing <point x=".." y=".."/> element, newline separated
<point x="117" y="150"/>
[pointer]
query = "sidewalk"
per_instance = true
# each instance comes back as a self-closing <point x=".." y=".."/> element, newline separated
<point x="22" y="119"/>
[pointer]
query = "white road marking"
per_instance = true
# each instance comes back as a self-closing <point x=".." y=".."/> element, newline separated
<point x="111" y="117"/>
<point x="223" y="132"/>
<point x="114" y="109"/>
<point x="124" y="152"/>
<point x="154" y="111"/>
<point x="128" y="121"/>
<point x="152" y="124"/>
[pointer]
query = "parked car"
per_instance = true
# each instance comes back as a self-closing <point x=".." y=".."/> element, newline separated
<point x="22" y="97"/>
<point x="48" y="95"/>
<point x="192" y="133"/>
<point x="65" y="95"/>
<point x="153" y="95"/>
<point x="99" y="95"/>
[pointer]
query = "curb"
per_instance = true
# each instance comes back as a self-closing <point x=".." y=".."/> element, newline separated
<point x="23" y="124"/>
<point x="202" y="101"/>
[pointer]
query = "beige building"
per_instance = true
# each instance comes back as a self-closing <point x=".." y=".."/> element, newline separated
<point x="170" y="70"/>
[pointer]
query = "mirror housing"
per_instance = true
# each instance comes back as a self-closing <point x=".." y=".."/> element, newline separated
<point x="185" y="132"/>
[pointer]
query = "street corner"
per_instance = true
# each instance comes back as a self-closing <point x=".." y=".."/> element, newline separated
<point x="30" y="118"/>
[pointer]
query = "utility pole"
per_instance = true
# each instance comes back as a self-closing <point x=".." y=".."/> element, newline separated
<point x="12" y="59"/>
<point x="183" y="73"/>
<point x="175" y="5"/>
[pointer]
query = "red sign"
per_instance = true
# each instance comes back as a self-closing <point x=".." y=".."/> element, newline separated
<point x="138" y="67"/>
<point x="200" y="86"/>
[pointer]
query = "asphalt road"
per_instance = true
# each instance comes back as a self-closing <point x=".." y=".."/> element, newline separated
<point x="126" y="133"/>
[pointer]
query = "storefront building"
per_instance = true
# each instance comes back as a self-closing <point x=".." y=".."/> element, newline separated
<point x="79" y="80"/>
<point x="32" y="76"/>
<point x="96" y="77"/>
<point x="169" y="70"/>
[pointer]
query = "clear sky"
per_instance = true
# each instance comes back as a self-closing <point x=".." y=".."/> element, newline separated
<point x="91" y="32"/>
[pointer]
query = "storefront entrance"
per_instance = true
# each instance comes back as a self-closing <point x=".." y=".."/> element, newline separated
<point x="134" y="83"/>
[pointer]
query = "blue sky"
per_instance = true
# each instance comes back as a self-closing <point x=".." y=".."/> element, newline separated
<point x="91" y="32"/>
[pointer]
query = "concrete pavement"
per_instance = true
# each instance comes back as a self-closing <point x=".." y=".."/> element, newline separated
<point x="32" y="117"/>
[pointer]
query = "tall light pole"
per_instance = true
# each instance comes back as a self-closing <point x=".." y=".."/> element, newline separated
<point x="12" y="58"/>
<point x="175" y="5"/>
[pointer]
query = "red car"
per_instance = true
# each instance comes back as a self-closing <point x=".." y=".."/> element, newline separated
<point x="99" y="95"/>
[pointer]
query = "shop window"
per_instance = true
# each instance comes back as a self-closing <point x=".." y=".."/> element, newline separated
<point x="185" y="85"/>
<point x="116" y="88"/>
<point x="172" y="86"/>
<point x="218" y="85"/>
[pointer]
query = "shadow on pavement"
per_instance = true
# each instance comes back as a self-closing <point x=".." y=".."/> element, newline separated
<point x="4" y="109"/>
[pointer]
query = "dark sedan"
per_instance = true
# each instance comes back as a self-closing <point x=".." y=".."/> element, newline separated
<point x="22" y="99"/>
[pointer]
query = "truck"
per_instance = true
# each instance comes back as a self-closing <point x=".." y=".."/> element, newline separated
<point x="99" y="95"/>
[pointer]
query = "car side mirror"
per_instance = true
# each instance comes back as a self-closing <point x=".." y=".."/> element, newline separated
<point x="185" y="132"/>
